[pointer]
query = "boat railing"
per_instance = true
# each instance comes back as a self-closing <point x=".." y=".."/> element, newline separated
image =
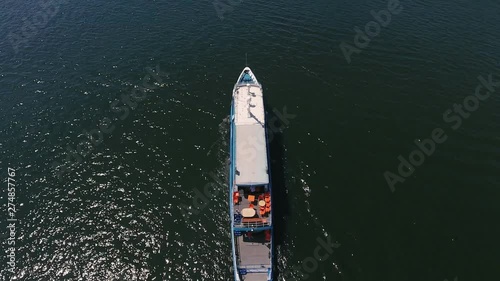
<point x="246" y="84"/>
<point x="254" y="223"/>
<point x="254" y="268"/>
<point x="237" y="251"/>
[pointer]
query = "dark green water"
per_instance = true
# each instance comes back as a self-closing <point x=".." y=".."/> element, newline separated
<point x="118" y="214"/>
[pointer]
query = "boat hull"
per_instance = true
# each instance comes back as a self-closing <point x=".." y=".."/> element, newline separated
<point x="252" y="242"/>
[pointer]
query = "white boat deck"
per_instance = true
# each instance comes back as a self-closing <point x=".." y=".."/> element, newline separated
<point x="251" y="146"/>
<point x="249" y="105"/>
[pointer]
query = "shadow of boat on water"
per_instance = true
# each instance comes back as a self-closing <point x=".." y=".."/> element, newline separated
<point x="278" y="181"/>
